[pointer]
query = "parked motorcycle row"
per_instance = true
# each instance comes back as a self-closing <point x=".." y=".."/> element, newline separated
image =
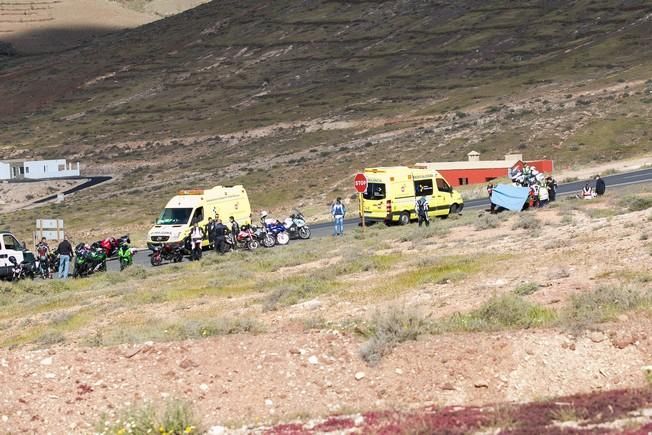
<point x="92" y="258"/>
<point x="270" y="233"/>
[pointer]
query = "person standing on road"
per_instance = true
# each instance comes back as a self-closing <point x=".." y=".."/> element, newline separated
<point x="196" y="236"/>
<point x="551" y="184"/>
<point x="490" y="191"/>
<point x="219" y="236"/>
<point x="43" y="251"/>
<point x="600" y="187"/>
<point x="338" y="211"/>
<point x="421" y="208"/>
<point x="209" y="231"/>
<point x="65" y="253"/>
<point x="235" y="230"/>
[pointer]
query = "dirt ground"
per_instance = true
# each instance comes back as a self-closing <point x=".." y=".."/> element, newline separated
<point x="14" y="196"/>
<point x="290" y="373"/>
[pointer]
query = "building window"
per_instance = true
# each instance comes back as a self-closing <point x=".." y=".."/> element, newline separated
<point x="62" y="168"/>
<point x="463" y="181"/>
<point x="27" y="170"/>
<point x="22" y="170"/>
<point x="488" y="179"/>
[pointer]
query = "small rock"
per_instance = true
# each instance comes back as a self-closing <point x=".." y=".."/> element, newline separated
<point x="624" y="341"/>
<point x="623" y="318"/>
<point x="46" y="361"/>
<point x="398" y="371"/>
<point x="217" y="430"/>
<point x="448" y="387"/>
<point x="5" y="418"/>
<point x="481" y="384"/>
<point x="187" y="363"/>
<point x="310" y="305"/>
<point x="269" y="403"/>
<point x="359" y="376"/>
<point x="359" y="420"/>
<point x="50" y="376"/>
<point x="597" y="337"/>
<point x="203" y="387"/>
<point x="313" y="360"/>
<point x="294" y="351"/>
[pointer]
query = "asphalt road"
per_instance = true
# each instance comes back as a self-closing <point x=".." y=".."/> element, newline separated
<point x="326" y="229"/>
<point x="91" y="181"/>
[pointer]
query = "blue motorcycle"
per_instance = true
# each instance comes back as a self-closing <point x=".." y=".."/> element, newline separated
<point x="279" y="232"/>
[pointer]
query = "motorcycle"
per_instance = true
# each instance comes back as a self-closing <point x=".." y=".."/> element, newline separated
<point x="264" y="237"/>
<point x="165" y="252"/>
<point x="88" y="261"/>
<point x="22" y="270"/>
<point x="126" y="256"/>
<point x="110" y="245"/>
<point x="246" y="238"/>
<point x="279" y="232"/>
<point x="296" y="226"/>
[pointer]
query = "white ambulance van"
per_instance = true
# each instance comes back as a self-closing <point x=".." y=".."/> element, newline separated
<point x="197" y="205"/>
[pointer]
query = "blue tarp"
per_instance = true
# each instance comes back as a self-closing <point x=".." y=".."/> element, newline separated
<point x="510" y="197"/>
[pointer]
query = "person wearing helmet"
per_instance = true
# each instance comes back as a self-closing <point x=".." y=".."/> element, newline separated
<point x="125" y="255"/>
<point x="265" y="220"/>
<point x="196" y="236"/>
<point x="235" y="230"/>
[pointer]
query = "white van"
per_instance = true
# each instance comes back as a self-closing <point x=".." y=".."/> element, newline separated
<point x="190" y="206"/>
<point x="10" y="247"/>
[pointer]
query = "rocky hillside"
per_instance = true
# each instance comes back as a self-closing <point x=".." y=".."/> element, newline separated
<point x="232" y="89"/>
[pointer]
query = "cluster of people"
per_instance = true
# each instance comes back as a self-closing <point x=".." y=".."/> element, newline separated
<point x="65" y="252"/>
<point x="215" y="231"/>
<point x="589" y="192"/>
<point x="543" y="190"/>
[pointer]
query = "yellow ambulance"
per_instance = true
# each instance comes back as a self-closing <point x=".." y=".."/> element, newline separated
<point x="197" y="205"/>
<point x="392" y="193"/>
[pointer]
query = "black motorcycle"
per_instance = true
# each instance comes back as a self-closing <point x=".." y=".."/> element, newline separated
<point x="167" y="252"/>
<point x="24" y="269"/>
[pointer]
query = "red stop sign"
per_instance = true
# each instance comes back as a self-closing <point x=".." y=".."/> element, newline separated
<point x="360" y="183"/>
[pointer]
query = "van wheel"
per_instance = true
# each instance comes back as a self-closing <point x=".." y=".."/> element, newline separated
<point x="404" y="219"/>
<point x="454" y="209"/>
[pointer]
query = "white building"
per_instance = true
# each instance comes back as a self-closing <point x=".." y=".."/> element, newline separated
<point x="37" y="169"/>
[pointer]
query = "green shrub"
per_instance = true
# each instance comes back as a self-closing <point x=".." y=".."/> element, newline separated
<point x="177" y="419"/>
<point x="294" y="290"/>
<point x="388" y="329"/>
<point x="500" y="312"/>
<point x="526" y="288"/>
<point x="486" y="222"/>
<point x="604" y="304"/>
<point x="526" y="222"/>
<point x="636" y="203"/>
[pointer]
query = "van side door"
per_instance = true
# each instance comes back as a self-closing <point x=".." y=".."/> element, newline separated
<point x="425" y="188"/>
<point x="444" y="196"/>
<point x="11" y="248"/>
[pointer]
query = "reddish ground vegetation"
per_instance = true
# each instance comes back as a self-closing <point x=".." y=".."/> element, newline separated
<point x="588" y="411"/>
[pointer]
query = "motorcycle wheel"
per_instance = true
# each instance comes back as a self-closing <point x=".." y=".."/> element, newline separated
<point x="282" y="238"/>
<point x="102" y="267"/>
<point x="269" y="241"/>
<point x="304" y="233"/>
<point x="155" y="260"/>
<point x="252" y="244"/>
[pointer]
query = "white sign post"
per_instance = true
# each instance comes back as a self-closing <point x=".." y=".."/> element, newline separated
<point x="51" y="229"/>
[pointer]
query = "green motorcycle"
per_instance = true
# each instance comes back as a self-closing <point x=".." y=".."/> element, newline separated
<point x="88" y="261"/>
<point x="126" y="256"/>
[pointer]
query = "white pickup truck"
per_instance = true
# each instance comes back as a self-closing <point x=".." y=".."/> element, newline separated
<point x="10" y="247"/>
